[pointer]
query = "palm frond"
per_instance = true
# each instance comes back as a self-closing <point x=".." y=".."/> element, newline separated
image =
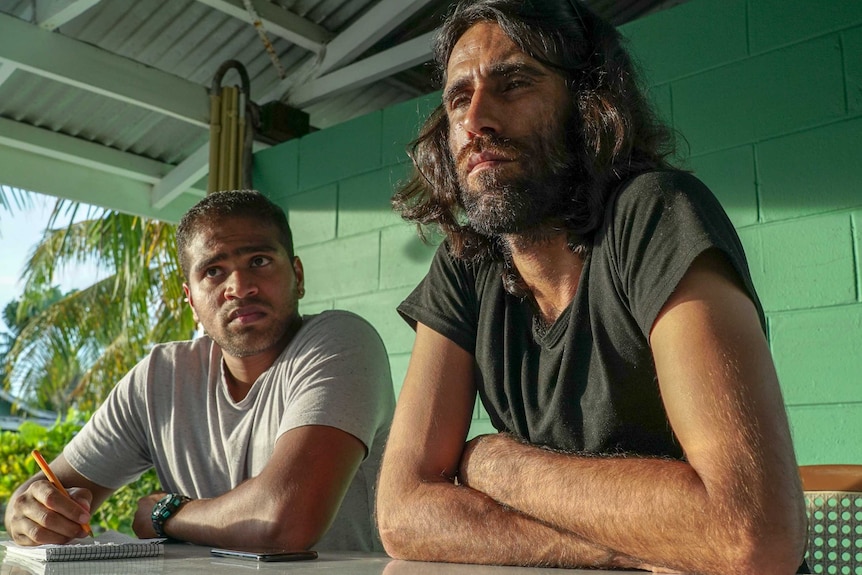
<point x="96" y="334"/>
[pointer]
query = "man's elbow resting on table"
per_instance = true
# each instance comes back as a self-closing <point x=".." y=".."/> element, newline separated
<point x="399" y="519"/>
<point x="298" y="527"/>
<point x="777" y="548"/>
<point x="395" y="535"/>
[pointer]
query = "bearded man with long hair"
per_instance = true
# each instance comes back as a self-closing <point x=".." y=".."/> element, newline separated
<point x="599" y="303"/>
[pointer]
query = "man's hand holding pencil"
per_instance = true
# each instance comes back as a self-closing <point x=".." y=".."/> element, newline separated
<point x="44" y="512"/>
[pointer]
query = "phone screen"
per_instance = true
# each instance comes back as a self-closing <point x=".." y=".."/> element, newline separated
<point x="265" y="555"/>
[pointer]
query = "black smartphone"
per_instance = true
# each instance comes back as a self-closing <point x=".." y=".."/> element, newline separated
<point x="265" y="555"/>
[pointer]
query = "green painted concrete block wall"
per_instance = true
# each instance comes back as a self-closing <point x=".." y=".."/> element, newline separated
<point x="768" y="97"/>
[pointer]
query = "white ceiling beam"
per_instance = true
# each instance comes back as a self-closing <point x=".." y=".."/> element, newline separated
<point x="182" y="178"/>
<point x="364" y="72"/>
<point x="381" y="19"/>
<point x="90" y="68"/>
<point x="97" y="158"/>
<point x="278" y="22"/>
<point x="80" y="152"/>
<point x="6" y="70"/>
<point x="188" y="172"/>
<point x="51" y="14"/>
<point x="54" y="177"/>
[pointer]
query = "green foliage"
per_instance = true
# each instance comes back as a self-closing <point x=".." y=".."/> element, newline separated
<point x="16" y="465"/>
<point x="71" y="350"/>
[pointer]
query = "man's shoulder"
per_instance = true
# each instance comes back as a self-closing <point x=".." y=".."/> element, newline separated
<point x="658" y="183"/>
<point x="337" y="328"/>
<point x="655" y="191"/>
<point x="334" y="319"/>
<point x="200" y="347"/>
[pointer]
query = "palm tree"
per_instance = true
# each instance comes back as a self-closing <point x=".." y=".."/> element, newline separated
<point x="11" y="198"/>
<point x="75" y="349"/>
<point x="16" y="319"/>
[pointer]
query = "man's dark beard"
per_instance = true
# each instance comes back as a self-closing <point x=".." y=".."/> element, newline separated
<point x="526" y="203"/>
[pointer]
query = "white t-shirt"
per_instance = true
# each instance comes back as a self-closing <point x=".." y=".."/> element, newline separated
<point x="173" y="412"/>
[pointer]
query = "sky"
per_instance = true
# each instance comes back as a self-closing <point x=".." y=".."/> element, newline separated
<point x="20" y="231"/>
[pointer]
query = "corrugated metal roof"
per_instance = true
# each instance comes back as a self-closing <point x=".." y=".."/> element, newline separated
<point x="189" y="40"/>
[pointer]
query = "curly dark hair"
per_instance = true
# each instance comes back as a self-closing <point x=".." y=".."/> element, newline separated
<point x="615" y="132"/>
<point x="231" y="204"/>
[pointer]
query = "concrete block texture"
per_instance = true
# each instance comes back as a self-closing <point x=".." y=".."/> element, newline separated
<point x="817" y="355"/>
<point x="689" y="38"/>
<point x="781" y="92"/>
<point x="364" y="200"/>
<point x="730" y="175"/>
<point x="401" y="125"/>
<point x="775" y="23"/>
<point x="404" y="257"/>
<point x="827" y="433"/>
<point x="851" y="42"/>
<point x="379" y="308"/>
<point x="341" y="151"/>
<point x="802" y="264"/>
<point x="313" y="215"/>
<point x="811" y="172"/>
<point x="342" y="267"/>
<point x="275" y="171"/>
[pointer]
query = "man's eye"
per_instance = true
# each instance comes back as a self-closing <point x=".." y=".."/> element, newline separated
<point x="212" y="272"/>
<point x="458" y="102"/>
<point x="259" y="261"/>
<point x="515" y="83"/>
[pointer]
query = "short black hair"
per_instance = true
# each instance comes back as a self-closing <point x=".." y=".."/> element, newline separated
<point x="231" y="204"/>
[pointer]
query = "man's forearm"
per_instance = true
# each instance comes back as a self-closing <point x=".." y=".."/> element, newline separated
<point x="237" y="519"/>
<point x="657" y="510"/>
<point x="240" y="518"/>
<point x="440" y="521"/>
<point x="289" y="505"/>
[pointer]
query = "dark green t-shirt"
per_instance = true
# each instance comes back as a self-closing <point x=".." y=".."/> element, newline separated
<point x="588" y="383"/>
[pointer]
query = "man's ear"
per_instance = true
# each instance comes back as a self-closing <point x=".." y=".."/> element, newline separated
<point x="189" y="299"/>
<point x="300" y="276"/>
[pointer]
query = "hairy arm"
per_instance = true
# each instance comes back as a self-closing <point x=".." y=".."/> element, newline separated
<point x="290" y="504"/>
<point x="734" y="505"/>
<point x="423" y="514"/>
<point x="37" y="513"/>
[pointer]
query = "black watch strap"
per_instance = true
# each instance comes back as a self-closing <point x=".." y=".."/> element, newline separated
<point x="164" y="509"/>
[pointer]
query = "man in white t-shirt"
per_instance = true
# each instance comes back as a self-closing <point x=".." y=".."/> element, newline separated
<point x="266" y="432"/>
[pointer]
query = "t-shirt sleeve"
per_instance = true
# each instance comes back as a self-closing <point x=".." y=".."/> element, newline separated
<point x="339" y="377"/>
<point x="111" y="449"/>
<point x="445" y="300"/>
<point x="661" y="222"/>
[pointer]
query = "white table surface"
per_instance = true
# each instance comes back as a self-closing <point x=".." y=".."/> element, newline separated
<point x="180" y="559"/>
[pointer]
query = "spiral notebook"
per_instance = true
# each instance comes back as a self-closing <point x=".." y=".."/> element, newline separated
<point x="109" y="545"/>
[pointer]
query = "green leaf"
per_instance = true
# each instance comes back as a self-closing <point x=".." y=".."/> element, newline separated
<point x="32" y="433"/>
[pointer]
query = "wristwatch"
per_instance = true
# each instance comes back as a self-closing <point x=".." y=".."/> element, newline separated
<point x="164" y="509"/>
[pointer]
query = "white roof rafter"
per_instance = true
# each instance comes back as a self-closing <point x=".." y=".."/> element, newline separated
<point x="278" y="22"/>
<point x="364" y="72"/>
<point x="87" y="67"/>
<point x="51" y="14"/>
<point x="381" y="19"/>
<point x="6" y="70"/>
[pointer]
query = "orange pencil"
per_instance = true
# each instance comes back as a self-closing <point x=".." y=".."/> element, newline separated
<point x="46" y="469"/>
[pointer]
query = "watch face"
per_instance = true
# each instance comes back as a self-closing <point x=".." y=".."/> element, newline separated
<point x="164" y="508"/>
<point x="167" y="505"/>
